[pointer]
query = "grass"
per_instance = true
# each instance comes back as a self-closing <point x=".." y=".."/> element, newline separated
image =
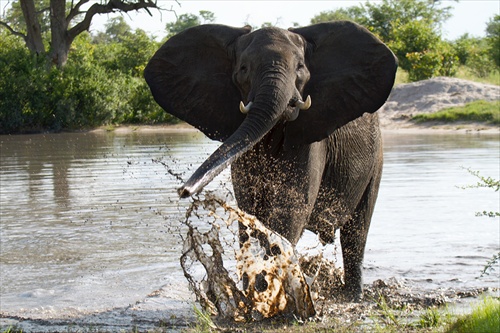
<point x="477" y="111"/>
<point x="484" y="318"/>
<point x="463" y="73"/>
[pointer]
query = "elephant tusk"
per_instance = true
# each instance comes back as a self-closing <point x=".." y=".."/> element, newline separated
<point x="244" y="109"/>
<point x="304" y="105"/>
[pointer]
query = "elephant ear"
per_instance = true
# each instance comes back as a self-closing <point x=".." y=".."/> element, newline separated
<point x="190" y="77"/>
<point x="352" y="72"/>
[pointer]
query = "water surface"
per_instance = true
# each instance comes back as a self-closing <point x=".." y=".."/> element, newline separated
<point x="90" y="221"/>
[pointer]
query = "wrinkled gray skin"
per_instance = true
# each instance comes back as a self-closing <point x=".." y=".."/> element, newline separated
<point x="320" y="171"/>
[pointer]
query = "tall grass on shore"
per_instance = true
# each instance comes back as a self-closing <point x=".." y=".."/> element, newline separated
<point x="477" y="111"/>
<point x="484" y="318"/>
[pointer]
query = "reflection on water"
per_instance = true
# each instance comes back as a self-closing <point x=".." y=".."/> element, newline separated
<point x="89" y="221"/>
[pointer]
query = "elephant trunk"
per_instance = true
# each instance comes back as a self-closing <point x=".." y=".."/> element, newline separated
<point x="266" y="110"/>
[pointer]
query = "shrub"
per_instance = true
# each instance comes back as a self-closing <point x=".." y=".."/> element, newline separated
<point x="91" y="90"/>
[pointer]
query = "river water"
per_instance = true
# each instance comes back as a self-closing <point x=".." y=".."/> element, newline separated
<point x="90" y="221"/>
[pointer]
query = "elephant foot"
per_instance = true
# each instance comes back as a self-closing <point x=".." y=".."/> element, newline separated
<point x="350" y="295"/>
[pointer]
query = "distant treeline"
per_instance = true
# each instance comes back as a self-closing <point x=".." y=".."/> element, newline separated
<point x="101" y="82"/>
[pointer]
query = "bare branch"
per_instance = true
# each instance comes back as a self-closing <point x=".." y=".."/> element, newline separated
<point x="6" y="5"/>
<point x="111" y="7"/>
<point x="75" y="10"/>
<point x="12" y="31"/>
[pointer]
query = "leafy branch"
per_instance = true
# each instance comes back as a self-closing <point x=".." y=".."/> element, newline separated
<point x="486" y="182"/>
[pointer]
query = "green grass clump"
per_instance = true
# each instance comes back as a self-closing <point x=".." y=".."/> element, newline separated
<point x="484" y="318"/>
<point x="477" y="111"/>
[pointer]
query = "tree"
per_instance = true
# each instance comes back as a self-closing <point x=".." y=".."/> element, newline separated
<point x="350" y="14"/>
<point x="411" y="28"/>
<point x="187" y="21"/>
<point x="67" y="21"/>
<point x="386" y="17"/>
<point x="16" y="19"/>
<point x="383" y="17"/>
<point x="493" y="36"/>
<point x="475" y="54"/>
<point x="208" y="16"/>
<point x="183" y="22"/>
<point x="116" y="30"/>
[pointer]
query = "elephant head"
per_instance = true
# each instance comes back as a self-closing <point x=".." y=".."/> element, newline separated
<point x="236" y="85"/>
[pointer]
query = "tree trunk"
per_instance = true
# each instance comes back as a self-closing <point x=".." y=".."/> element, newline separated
<point x="60" y="42"/>
<point x="61" y="36"/>
<point x="33" y="38"/>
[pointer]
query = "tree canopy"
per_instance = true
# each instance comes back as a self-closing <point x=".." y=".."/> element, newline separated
<point x="493" y="35"/>
<point x="411" y="28"/>
<point x="185" y="21"/>
<point x="65" y="20"/>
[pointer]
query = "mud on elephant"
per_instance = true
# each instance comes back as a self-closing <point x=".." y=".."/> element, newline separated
<point x="295" y="110"/>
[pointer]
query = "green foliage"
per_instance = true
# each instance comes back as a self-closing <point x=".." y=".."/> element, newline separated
<point x="129" y="55"/>
<point x="385" y="18"/>
<point x="423" y="65"/>
<point x="349" y="14"/>
<point x="464" y="46"/>
<point x="101" y="84"/>
<point x="412" y="37"/>
<point x="116" y="30"/>
<point x="466" y="74"/>
<point x="475" y="54"/>
<point x="183" y="22"/>
<point x="208" y="16"/>
<point x="493" y="36"/>
<point x="188" y="21"/>
<point x="431" y="317"/>
<point x="484" y="318"/>
<point x="481" y="111"/>
<point x="411" y="29"/>
<point x="421" y="52"/>
<point x="15" y="17"/>
<point x="480" y="63"/>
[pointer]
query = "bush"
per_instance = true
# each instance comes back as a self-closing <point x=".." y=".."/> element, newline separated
<point x="90" y="91"/>
<point x="423" y="65"/>
<point x="421" y="52"/>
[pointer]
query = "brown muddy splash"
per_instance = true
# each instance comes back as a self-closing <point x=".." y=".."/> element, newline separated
<point x="269" y="278"/>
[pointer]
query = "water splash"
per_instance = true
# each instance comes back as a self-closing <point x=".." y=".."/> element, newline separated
<point x="269" y="279"/>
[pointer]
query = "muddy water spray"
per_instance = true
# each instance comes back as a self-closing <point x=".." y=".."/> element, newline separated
<point x="267" y="266"/>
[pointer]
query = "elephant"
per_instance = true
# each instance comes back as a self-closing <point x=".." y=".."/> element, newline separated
<point x="295" y="111"/>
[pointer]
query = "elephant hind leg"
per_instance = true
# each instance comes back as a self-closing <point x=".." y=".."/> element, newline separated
<point x="353" y="235"/>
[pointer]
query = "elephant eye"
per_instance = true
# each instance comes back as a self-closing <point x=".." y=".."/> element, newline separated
<point x="243" y="69"/>
<point x="300" y="65"/>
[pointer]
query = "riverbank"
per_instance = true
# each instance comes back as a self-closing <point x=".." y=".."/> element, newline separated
<point x="389" y="306"/>
<point x="392" y="127"/>
<point x="405" y="101"/>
